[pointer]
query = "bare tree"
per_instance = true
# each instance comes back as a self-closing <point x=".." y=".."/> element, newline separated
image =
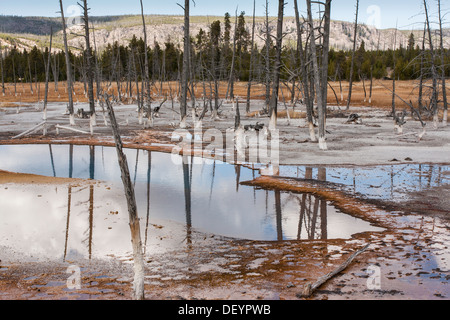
<point x="230" y="90"/>
<point x="422" y="62"/>
<point x="394" y="75"/>
<point x="97" y="69"/>
<point x="138" y="284"/>
<point x="325" y="51"/>
<point x="318" y="73"/>
<point x="355" y="34"/>
<point x="252" y="58"/>
<point x="89" y="62"/>
<point x="145" y="73"/>
<point x="444" y="89"/>
<point x="434" y="98"/>
<point x="68" y="68"/>
<point x="267" y="57"/>
<point x="277" y="67"/>
<point x="47" y="75"/>
<point x="29" y="72"/>
<point x="135" y="73"/>
<point x="185" y="72"/>
<point x="3" y="72"/>
<point x="14" y="73"/>
<point x="215" y="35"/>
<point x="55" y="72"/>
<point x="304" y="75"/>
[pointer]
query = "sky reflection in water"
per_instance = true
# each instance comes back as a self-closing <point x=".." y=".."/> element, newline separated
<point x="92" y="220"/>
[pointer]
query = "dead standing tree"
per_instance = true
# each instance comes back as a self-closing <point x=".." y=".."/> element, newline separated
<point x="55" y="71"/>
<point x="145" y="73"/>
<point x="185" y="72"/>
<point x="230" y="89"/>
<point x="319" y="81"/>
<point x="277" y="67"/>
<point x="215" y="53"/>
<point x="304" y="75"/>
<point x="324" y="70"/>
<point x="252" y="59"/>
<point x="444" y="89"/>
<point x="434" y="98"/>
<point x="355" y="35"/>
<point x="3" y="73"/>
<point x="394" y="76"/>
<point x="68" y="68"/>
<point x="89" y="63"/>
<point x="47" y="75"/>
<point x="422" y="63"/>
<point x="267" y="55"/>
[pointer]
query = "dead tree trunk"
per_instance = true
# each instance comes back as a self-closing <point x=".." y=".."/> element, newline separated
<point x="444" y="89"/>
<point x="304" y="75"/>
<point x="277" y="67"/>
<point x="97" y="69"/>
<point x="252" y="58"/>
<point x="138" y="95"/>
<point x="14" y="75"/>
<point x="55" y="72"/>
<point x="394" y="74"/>
<point x="325" y="51"/>
<point x="145" y="74"/>
<point x="47" y="75"/>
<point x="29" y="72"/>
<point x="68" y="68"/>
<point x="230" y="90"/>
<point x="138" y="284"/>
<point x="185" y="72"/>
<point x="321" y="106"/>
<point x="434" y="100"/>
<point x="267" y="31"/>
<point x="371" y="84"/>
<point x="352" y="65"/>
<point x="214" y="76"/>
<point x="89" y="63"/>
<point x="36" y="87"/>
<point x="3" y="73"/>
<point x="192" y="69"/>
<point x="324" y="71"/>
<point x="422" y="62"/>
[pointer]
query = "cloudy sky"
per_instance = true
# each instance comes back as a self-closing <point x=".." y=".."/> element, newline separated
<point x="407" y="14"/>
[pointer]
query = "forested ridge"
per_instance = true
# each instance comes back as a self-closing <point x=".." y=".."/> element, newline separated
<point x="214" y="46"/>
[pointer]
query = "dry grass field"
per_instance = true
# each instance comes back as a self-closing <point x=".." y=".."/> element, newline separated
<point x="381" y="95"/>
<point x="23" y="96"/>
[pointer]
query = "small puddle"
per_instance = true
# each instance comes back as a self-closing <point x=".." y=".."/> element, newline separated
<point x="174" y="198"/>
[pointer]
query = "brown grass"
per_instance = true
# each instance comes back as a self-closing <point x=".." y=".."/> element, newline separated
<point x="292" y="114"/>
<point x="381" y="96"/>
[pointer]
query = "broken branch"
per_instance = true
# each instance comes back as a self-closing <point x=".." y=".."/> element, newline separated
<point x="310" y="288"/>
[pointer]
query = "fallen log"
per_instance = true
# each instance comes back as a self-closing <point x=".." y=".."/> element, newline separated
<point x="310" y="288"/>
<point x="30" y="130"/>
<point x="70" y="129"/>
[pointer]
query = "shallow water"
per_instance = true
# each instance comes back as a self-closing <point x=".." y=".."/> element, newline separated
<point x="206" y="196"/>
<point x="386" y="182"/>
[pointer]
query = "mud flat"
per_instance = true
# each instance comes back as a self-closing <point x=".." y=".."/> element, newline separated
<point x="408" y="248"/>
<point x="373" y="142"/>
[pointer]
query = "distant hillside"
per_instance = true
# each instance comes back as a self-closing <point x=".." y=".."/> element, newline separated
<point x="29" y="25"/>
<point x="25" y="32"/>
<point x="41" y="25"/>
